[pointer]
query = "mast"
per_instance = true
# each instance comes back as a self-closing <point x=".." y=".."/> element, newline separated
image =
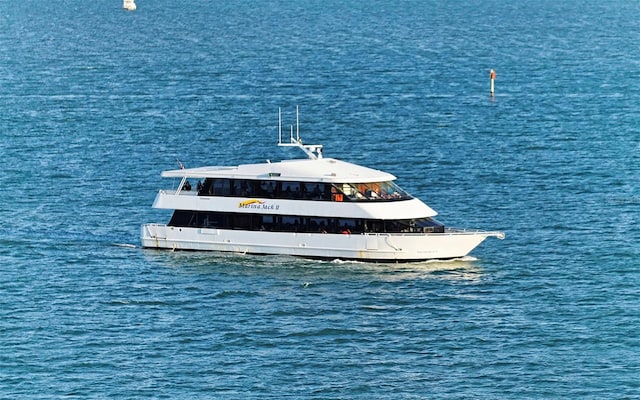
<point x="313" y="151"/>
<point x="297" y="125"/>
<point x="279" y="125"/>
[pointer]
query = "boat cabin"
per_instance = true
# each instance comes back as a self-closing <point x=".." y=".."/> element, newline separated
<point x="296" y="190"/>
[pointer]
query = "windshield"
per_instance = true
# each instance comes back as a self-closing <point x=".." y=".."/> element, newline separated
<point x="373" y="191"/>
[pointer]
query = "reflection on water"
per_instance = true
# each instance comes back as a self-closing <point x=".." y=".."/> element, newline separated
<point x="288" y="267"/>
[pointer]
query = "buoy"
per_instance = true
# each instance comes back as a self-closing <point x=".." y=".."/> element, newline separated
<point x="492" y="76"/>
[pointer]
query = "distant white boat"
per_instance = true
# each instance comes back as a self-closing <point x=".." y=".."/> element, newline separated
<point x="129" y="5"/>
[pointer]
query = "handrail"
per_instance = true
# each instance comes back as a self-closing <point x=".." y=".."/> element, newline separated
<point x="179" y="192"/>
<point x="448" y="231"/>
<point x="387" y="235"/>
<point x="498" y="234"/>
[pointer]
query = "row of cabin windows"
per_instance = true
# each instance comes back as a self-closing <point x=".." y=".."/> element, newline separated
<point x="292" y="223"/>
<point x="301" y="190"/>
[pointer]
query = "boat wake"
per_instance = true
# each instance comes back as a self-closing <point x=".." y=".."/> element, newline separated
<point x="125" y="245"/>
<point x="425" y="262"/>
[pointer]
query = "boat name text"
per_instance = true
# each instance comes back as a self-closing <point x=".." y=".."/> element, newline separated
<point x="258" y="205"/>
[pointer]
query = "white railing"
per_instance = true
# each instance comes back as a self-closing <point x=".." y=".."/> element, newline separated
<point x="464" y="231"/>
<point x="447" y="231"/>
<point x="181" y="192"/>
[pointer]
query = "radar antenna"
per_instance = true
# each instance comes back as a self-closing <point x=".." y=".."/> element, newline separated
<point x="313" y="151"/>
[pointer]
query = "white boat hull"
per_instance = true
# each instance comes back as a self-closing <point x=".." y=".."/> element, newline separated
<point x="395" y="247"/>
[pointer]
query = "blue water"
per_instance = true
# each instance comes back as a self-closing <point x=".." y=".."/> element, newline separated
<point x="97" y="101"/>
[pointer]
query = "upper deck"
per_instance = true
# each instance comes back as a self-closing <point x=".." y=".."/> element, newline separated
<point x="298" y="183"/>
<point x="327" y="170"/>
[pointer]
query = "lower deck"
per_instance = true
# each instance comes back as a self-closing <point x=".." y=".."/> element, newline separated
<point x="300" y="223"/>
<point x="378" y="247"/>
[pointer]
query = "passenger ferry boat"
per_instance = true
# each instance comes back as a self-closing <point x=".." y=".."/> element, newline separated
<point x="315" y="208"/>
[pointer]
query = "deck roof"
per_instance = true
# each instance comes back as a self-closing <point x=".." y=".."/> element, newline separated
<point x="307" y="170"/>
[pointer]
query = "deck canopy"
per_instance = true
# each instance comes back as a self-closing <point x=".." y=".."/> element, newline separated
<point x="321" y="170"/>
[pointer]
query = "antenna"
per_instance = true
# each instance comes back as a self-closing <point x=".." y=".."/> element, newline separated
<point x="297" y="125"/>
<point x="279" y="125"/>
<point x="314" y="152"/>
